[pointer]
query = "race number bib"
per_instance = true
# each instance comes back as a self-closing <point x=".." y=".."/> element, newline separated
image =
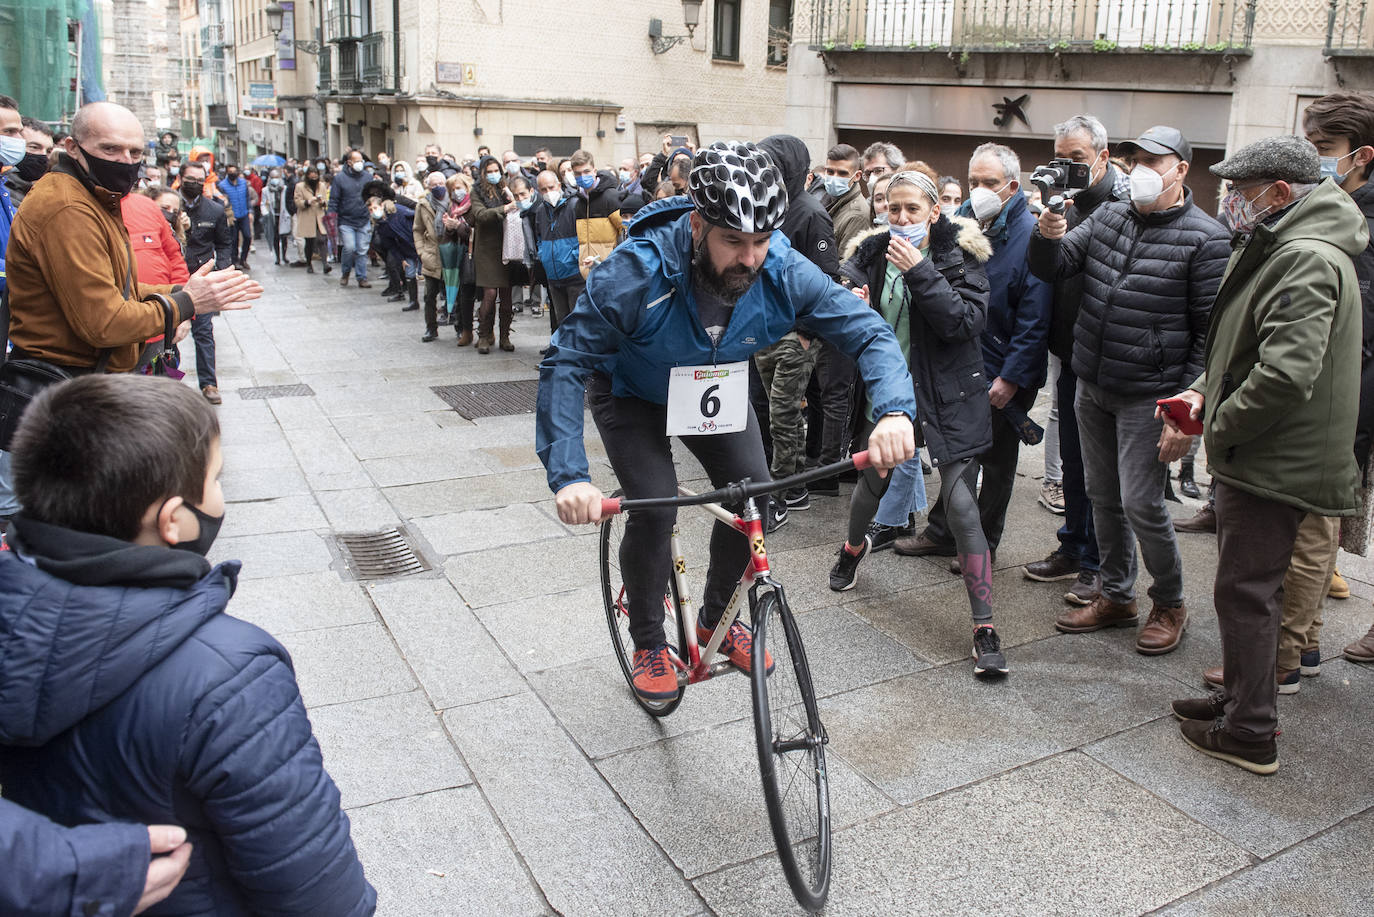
<point x="703" y="400"/>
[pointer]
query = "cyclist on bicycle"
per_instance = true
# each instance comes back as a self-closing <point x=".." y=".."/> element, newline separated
<point x="660" y="341"/>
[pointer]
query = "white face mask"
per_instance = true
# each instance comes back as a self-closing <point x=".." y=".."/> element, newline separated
<point x="985" y="203"/>
<point x="569" y="179"/>
<point x="513" y="167"/>
<point x="553" y="197"/>
<point x="1147" y="185"/>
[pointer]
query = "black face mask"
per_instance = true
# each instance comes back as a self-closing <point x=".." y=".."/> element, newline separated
<point x="116" y="177"/>
<point x="209" y="530"/>
<point x="192" y="189"/>
<point x="233" y="176"/>
<point x="33" y="166"/>
<point x="433" y="162"/>
<point x="171" y="218"/>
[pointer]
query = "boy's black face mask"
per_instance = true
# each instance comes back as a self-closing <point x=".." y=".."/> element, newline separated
<point x="209" y="530"/>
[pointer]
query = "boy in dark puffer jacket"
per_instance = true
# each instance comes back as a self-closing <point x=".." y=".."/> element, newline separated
<point x="126" y="692"/>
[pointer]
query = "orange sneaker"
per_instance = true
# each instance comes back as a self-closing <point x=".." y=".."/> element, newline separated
<point x="653" y="675"/>
<point x="738" y="645"/>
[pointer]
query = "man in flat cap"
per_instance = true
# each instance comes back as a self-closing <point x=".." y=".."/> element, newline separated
<point x="1279" y="395"/>
<point x="1149" y="268"/>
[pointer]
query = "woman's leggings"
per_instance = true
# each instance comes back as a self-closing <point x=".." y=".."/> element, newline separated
<point x="957" y="482"/>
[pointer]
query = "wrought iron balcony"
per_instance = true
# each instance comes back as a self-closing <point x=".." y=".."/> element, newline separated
<point x="1350" y="29"/>
<point x="1036" y="26"/>
<point x="365" y="66"/>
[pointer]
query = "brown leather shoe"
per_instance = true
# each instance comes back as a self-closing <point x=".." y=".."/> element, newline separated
<point x="506" y="344"/>
<point x="212" y="395"/>
<point x="1204" y="520"/>
<point x="1362" y="650"/>
<point x="465" y="339"/>
<point x="1163" y="629"/>
<point x="920" y="546"/>
<point x="484" y="345"/>
<point x="1289" y="681"/>
<point x="1103" y="612"/>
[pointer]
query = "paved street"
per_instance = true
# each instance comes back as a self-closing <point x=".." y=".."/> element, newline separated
<point x="493" y="763"/>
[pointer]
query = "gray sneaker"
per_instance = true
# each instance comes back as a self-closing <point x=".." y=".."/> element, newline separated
<point x="1085" y="589"/>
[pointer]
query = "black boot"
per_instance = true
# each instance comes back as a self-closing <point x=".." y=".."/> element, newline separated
<point x="1186" y="484"/>
<point x="412" y="288"/>
<point x="1169" y="488"/>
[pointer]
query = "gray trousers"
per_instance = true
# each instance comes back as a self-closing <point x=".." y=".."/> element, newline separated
<point x="563" y="299"/>
<point x="1125" y="482"/>
<point x="1255" y="540"/>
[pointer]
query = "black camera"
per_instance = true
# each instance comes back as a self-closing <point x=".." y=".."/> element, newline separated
<point x="1057" y="178"/>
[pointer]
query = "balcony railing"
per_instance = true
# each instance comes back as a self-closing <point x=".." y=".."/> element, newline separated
<point x="1350" y="28"/>
<point x="362" y="67"/>
<point x="343" y="27"/>
<point x="1049" y="26"/>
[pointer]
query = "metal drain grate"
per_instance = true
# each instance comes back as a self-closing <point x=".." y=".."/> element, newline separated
<point x="381" y="554"/>
<point x="492" y="399"/>
<point x="275" y="391"/>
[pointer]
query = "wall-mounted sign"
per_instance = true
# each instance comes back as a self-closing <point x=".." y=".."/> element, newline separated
<point x="448" y="72"/>
<point x="286" y="41"/>
<point x="1010" y="108"/>
<point x="261" y="97"/>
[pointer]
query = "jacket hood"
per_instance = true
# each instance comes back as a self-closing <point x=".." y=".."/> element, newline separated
<point x="1363" y="197"/>
<point x="605" y="179"/>
<point x="792" y="158"/>
<point x="945" y="234"/>
<point x="1327" y="214"/>
<point x="69" y="649"/>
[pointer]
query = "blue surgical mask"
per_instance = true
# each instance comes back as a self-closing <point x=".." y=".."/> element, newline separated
<point x="494" y="178"/>
<point x="880" y="219"/>
<point x="1330" y="164"/>
<point x="836" y="185"/>
<point x="915" y="233"/>
<point x="12" y="149"/>
<point x="586" y="181"/>
<point x="525" y="205"/>
<point x="624" y="175"/>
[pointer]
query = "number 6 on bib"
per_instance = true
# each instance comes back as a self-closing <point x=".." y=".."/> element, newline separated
<point x="705" y="400"/>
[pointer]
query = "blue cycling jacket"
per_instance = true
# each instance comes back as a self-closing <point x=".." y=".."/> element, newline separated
<point x="637" y="319"/>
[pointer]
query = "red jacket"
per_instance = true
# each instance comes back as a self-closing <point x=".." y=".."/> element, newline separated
<point x="156" y="250"/>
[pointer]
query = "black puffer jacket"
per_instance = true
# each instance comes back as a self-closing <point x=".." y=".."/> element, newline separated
<point x="949" y="301"/>
<point x="1148" y="285"/>
<point x="807" y="225"/>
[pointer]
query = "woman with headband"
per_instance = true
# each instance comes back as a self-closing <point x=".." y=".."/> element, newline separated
<point x="924" y="274"/>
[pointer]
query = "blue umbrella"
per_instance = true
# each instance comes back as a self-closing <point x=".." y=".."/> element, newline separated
<point x="269" y="160"/>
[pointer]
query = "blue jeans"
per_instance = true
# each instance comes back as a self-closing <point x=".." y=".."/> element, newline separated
<point x="905" y="494"/>
<point x="9" y="503"/>
<point x="1077" y="536"/>
<point x="353" y="245"/>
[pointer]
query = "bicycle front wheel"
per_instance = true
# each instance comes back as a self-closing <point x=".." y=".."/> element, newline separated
<point x="618" y="612"/>
<point x="791" y="744"/>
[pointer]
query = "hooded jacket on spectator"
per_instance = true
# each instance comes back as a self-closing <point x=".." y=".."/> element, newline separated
<point x="555" y="229"/>
<point x="126" y="693"/>
<point x="346" y="197"/>
<point x="806" y="225"/>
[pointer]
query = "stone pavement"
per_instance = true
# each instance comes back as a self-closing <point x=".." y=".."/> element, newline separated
<point x="493" y="763"/>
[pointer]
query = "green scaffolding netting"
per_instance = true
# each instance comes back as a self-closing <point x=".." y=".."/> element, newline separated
<point x="37" y="60"/>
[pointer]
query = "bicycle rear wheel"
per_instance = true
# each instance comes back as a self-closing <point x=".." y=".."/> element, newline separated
<point x="618" y="612"/>
<point x="791" y="745"/>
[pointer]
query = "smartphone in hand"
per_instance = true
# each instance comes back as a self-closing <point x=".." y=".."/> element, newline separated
<point x="1181" y="412"/>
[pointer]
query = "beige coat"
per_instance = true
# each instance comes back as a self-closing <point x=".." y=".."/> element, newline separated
<point x="426" y="241"/>
<point x="310" y="207"/>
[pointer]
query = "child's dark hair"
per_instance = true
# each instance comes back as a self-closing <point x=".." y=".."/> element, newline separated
<point x="94" y="453"/>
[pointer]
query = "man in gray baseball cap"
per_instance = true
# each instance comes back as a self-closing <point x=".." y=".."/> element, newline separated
<point x="1281" y="391"/>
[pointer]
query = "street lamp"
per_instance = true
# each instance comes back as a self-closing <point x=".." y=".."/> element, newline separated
<point x="691" y="18"/>
<point x="275" y="12"/>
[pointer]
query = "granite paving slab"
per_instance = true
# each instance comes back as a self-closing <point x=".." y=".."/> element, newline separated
<point x="386" y="748"/>
<point x="454" y="657"/>
<point x="364" y="509"/>
<point x="442" y="853"/>
<point x="547" y="631"/>
<point x="338" y="664"/>
<point x="266" y="517"/>
<point x="280" y="554"/>
<point x="308" y="601"/>
<point x="940" y="728"/>
<point x="585" y="850"/>
<point x="1319" y="783"/>
<point x="1064" y="836"/>
<point x="482" y="529"/>
<point x="484" y="577"/>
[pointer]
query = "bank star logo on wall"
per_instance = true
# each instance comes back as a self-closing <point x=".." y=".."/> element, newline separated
<point x="1011" y="108"/>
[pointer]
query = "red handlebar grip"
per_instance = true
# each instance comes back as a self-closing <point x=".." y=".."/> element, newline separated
<point x="861" y="460"/>
<point x="610" y="506"/>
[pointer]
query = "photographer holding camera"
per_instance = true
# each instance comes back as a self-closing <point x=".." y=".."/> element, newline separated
<point x="1150" y="270"/>
<point x="1082" y="173"/>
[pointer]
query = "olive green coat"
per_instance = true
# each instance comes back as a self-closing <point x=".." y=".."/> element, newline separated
<point x="1282" y="382"/>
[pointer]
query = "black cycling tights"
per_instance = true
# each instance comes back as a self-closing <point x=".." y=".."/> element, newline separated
<point x="957" y="482"/>
<point x="632" y="430"/>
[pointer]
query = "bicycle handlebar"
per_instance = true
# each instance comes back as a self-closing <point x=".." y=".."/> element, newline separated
<point x="738" y="491"/>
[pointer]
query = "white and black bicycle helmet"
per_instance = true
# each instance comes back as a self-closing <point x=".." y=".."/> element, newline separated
<point x="736" y="186"/>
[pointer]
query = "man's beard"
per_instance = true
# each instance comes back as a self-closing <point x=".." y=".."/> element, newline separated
<point x="729" y="285"/>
